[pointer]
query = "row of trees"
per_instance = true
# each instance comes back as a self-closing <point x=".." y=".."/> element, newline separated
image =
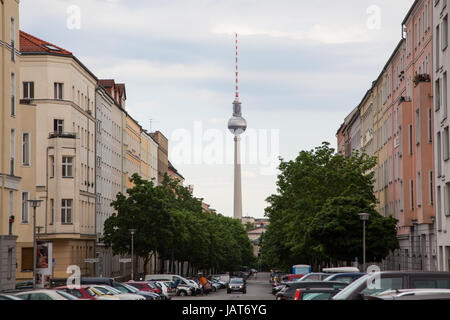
<point x="171" y="222"/>
<point x="314" y="217"/>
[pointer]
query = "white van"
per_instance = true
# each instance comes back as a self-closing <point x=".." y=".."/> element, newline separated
<point x="173" y="277"/>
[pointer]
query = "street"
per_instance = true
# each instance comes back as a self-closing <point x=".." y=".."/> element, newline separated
<point x="259" y="289"/>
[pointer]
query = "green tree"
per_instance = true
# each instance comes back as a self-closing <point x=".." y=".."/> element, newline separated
<point x="317" y="192"/>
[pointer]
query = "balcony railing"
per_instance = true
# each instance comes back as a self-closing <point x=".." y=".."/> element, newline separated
<point x="66" y="135"/>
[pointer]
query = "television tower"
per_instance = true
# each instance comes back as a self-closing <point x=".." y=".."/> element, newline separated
<point x="237" y="125"/>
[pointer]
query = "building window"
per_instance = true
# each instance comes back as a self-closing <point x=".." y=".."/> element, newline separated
<point x="444" y="94"/>
<point x="447" y="199"/>
<point x="410" y="140"/>
<point x="419" y="189"/>
<point x="25" y="207"/>
<point x="66" y="211"/>
<point x="58" y="126"/>
<point x="67" y="167"/>
<point x="446" y="144"/>
<point x="52" y="166"/>
<point x="417" y="126"/>
<point x="401" y="197"/>
<point x="431" y="188"/>
<point x="12" y="152"/>
<point x="438" y="209"/>
<point x="411" y="189"/>
<point x="26" y="149"/>
<point x="13" y="94"/>
<point x="52" y="211"/>
<point x="13" y="39"/>
<point x="58" y="90"/>
<point x="445" y="33"/>
<point x="430" y="126"/>
<point x="439" y="154"/>
<point x="28" y="90"/>
<point x="437" y="47"/>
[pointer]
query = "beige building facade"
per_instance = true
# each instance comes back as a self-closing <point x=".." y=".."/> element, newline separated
<point x="12" y="169"/>
<point x="63" y="99"/>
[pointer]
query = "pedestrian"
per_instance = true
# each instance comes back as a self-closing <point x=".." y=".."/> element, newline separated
<point x="203" y="282"/>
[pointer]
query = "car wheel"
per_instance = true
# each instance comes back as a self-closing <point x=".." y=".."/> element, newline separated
<point x="228" y="292"/>
<point x="182" y="293"/>
<point x="214" y="289"/>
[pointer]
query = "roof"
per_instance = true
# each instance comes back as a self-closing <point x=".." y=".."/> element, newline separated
<point x="31" y="44"/>
<point x="106" y="83"/>
<point x="410" y="11"/>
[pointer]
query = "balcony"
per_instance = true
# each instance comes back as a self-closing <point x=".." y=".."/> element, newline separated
<point x="64" y="135"/>
<point x="421" y="78"/>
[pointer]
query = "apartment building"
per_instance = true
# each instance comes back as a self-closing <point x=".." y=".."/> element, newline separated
<point x="109" y="149"/>
<point x="399" y="105"/>
<point x="417" y="120"/>
<point x="149" y="157"/>
<point x="14" y="140"/>
<point x="133" y="149"/>
<point x="441" y="131"/>
<point x="163" y="154"/>
<point x="63" y="99"/>
<point x="349" y="134"/>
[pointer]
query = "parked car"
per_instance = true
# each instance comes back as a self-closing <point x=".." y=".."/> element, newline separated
<point x="367" y="285"/>
<point x="173" y="277"/>
<point x="144" y="286"/>
<point x="105" y="289"/>
<point x="316" y="293"/>
<point x="413" y="294"/>
<point x="24" y="285"/>
<point x="294" y="277"/>
<point x="147" y="295"/>
<point x="278" y="288"/>
<point x="81" y="292"/>
<point x="314" y="276"/>
<point x="46" y="295"/>
<point x="165" y="290"/>
<point x="345" y="277"/>
<point x="9" y="297"/>
<point x="237" y="284"/>
<point x="216" y="285"/>
<point x="288" y="293"/>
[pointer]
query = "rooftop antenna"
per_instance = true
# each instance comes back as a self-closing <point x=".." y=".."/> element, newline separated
<point x="151" y="122"/>
<point x="237" y="71"/>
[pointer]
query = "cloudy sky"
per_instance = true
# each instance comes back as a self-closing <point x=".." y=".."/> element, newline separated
<point x="303" y="67"/>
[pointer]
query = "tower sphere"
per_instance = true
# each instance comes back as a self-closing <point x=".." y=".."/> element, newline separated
<point x="237" y="125"/>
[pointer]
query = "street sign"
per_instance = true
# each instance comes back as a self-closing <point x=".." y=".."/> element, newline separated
<point x="90" y="260"/>
<point x="125" y="260"/>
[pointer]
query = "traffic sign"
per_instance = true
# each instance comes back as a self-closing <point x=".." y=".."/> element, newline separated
<point x="125" y="260"/>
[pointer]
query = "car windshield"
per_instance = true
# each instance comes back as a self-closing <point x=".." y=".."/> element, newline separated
<point x="345" y="293"/>
<point x="108" y="289"/>
<point x="130" y="288"/>
<point x="66" y="295"/>
<point x="122" y="288"/>
<point x="317" y="296"/>
<point x="237" y="280"/>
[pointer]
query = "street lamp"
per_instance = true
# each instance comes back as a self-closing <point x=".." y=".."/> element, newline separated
<point x="364" y="217"/>
<point x="132" y="231"/>
<point x="34" y="204"/>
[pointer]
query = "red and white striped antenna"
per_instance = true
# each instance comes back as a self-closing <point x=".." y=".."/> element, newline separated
<point x="237" y="70"/>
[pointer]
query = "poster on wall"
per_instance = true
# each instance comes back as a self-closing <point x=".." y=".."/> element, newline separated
<point x="44" y="264"/>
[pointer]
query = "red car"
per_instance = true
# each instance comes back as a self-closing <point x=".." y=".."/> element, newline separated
<point x="82" y="292"/>
<point x="144" y="286"/>
<point x="295" y="276"/>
